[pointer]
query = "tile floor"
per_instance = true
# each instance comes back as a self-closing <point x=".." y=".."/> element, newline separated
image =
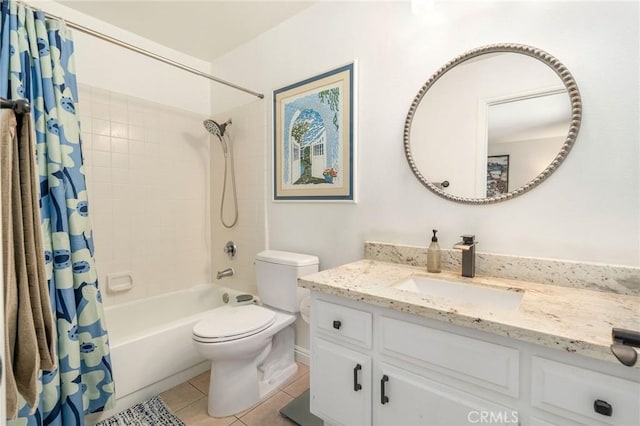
<point x="189" y="402"/>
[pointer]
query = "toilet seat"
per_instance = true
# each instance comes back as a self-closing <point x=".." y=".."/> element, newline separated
<point x="232" y="323"/>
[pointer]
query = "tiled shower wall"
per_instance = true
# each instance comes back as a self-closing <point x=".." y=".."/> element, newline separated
<point x="147" y="168"/>
<point x="250" y="149"/>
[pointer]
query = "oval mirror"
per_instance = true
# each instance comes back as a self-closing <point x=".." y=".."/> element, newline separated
<point x="492" y="123"/>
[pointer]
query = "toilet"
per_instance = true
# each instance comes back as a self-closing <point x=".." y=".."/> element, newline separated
<point x="251" y="347"/>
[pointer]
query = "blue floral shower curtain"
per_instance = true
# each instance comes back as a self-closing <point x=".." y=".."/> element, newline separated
<point x="37" y="63"/>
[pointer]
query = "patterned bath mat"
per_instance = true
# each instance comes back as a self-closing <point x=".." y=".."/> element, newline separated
<point x="152" y="412"/>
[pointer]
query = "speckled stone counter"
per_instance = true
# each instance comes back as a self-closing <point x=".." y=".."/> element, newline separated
<point x="590" y="276"/>
<point x="564" y="318"/>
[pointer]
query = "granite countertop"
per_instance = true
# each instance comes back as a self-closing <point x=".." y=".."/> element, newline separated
<point x="565" y="318"/>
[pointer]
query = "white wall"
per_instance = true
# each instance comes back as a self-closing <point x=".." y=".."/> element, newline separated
<point x="579" y="213"/>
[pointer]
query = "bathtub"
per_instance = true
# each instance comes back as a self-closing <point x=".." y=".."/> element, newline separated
<point x="150" y="340"/>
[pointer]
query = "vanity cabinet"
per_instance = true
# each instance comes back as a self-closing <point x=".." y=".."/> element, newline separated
<point x="341" y="379"/>
<point x="404" y="398"/>
<point x="341" y="384"/>
<point x="359" y="377"/>
<point x="376" y="366"/>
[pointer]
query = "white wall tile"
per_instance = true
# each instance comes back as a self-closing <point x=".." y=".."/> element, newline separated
<point x="101" y="142"/>
<point x="100" y="110"/>
<point x="120" y="176"/>
<point x="101" y="174"/>
<point x="136" y="132"/>
<point x="147" y="171"/>
<point x="119" y="130"/>
<point x="85" y="122"/>
<point x="249" y="232"/>
<point x="118" y="111"/>
<point x="102" y="159"/>
<point x="119" y="161"/>
<point x="101" y="127"/>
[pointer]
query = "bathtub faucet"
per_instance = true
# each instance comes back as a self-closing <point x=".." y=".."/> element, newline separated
<point x="225" y="273"/>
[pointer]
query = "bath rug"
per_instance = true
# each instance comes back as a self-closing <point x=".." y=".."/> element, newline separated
<point x="152" y="412"/>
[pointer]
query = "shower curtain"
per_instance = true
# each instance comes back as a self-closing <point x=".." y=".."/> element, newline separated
<point x="36" y="63"/>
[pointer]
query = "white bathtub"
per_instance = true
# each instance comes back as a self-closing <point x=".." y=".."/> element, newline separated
<point x="151" y="343"/>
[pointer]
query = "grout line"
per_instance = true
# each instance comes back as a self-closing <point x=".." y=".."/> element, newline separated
<point x="260" y="403"/>
<point x="187" y="406"/>
<point x="199" y="391"/>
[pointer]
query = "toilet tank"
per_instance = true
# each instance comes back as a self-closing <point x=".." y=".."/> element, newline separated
<point x="277" y="275"/>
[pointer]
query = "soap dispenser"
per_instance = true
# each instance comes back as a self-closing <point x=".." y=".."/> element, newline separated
<point x="433" y="255"/>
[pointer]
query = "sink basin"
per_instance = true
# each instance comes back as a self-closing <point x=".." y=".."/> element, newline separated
<point x="456" y="292"/>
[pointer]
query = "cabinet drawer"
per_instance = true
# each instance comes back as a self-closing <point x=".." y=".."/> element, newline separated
<point x="486" y="364"/>
<point x="567" y="390"/>
<point x="348" y="324"/>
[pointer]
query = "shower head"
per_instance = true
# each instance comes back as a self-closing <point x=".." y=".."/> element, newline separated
<point x="215" y="128"/>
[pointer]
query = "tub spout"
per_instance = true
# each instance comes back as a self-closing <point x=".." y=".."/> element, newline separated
<point x="225" y="273"/>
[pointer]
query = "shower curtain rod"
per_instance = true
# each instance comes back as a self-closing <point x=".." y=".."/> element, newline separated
<point x="149" y="54"/>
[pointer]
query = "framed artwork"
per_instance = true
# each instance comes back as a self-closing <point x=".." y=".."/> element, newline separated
<point x="314" y="143"/>
<point x="497" y="175"/>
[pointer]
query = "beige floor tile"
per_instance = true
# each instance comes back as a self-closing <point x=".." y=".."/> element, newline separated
<point x="296" y="388"/>
<point x="196" y="415"/>
<point x="201" y="382"/>
<point x="267" y="413"/>
<point x="237" y="423"/>
<point x="181" y="396"/>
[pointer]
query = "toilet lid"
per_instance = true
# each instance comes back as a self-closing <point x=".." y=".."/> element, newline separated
<point x="232" y="322"/>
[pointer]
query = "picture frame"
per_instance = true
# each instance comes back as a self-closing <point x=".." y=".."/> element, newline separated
<point x="497" y="175"/>
<point x="314" y="138"/>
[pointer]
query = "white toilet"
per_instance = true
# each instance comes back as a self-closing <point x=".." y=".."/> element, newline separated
<point x="252" y="347"/>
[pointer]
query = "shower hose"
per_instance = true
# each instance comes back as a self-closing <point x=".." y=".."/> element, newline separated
<point x="229" y="158"/>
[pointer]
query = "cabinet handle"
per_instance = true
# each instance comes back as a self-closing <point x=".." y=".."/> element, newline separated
<point x="356" y="386"/>
<point x="337" y="325"/>
<point x="383" y="398"/>
<point x="602" y="407"/>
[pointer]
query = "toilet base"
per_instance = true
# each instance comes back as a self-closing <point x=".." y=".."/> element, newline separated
<point x="235" y="399"/>
<point x="236" y="385"/>
<point x="269" y="387"/>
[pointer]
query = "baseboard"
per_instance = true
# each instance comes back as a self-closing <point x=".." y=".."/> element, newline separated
<point x="302" y="355"/>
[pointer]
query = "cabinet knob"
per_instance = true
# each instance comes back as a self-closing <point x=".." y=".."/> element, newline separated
<point x="337" y="324"/>
<point x="602" y="407"/>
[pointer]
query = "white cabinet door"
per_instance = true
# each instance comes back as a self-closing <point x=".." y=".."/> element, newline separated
<point x="340" y="384"/>
<point x="403" y="398"/>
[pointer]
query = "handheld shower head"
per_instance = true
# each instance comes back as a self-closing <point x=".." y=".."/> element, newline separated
<point x="215" y="128"/>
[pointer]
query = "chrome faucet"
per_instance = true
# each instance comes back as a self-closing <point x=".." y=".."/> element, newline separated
<point x="225" y="273"/>
<point x="468" y="247"/>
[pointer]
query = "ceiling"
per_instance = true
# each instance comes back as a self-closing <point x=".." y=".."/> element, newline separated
<point x="203" y="29"/>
